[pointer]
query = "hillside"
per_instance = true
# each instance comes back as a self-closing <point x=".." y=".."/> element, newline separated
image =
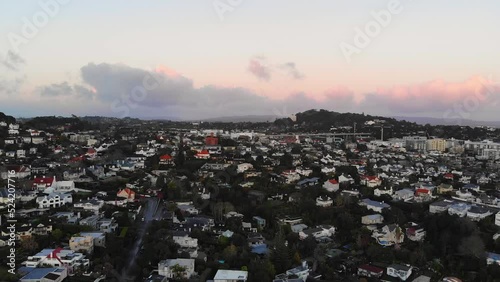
<point x="327" y="121"/>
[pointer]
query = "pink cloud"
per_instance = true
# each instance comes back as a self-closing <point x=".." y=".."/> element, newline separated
<point x="433" y="95"/>
<point x="257" y="67"/>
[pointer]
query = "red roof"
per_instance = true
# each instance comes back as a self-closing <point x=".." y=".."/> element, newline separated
<point x="422" y="191"/>
<point x="371" y="268"/>
<point x="43" y="180"/>
<point x="166" y="157"/>
<point x="204" y="152"/>
<point x="91" y="151"/>
<point x="333" y="181"/>
<point x="129" y="192"/>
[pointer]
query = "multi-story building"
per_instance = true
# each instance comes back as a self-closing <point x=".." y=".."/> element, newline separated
<point x="418" y="143"/>
<point x="436" y="144"/>
<point x="485" y="149"/>
<point x="58" y="258"/>
<point x="54" y="200"/>
<point x="82" y="244"/>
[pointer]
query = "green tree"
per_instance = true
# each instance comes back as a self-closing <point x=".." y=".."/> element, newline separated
<point x="261" y="270"/>
<point x="281" y="255"/>
<point x="57" y="234"/>
<point x="179" y="271"/>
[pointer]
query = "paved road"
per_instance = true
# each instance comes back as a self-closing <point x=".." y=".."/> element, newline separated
<point x="149" y="213"/>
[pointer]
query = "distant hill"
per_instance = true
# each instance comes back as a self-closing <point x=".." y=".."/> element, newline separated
<point x="6" y="118"/>
<point x="249" y="118"/>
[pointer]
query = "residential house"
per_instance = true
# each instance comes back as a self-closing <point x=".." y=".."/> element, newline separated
<point x="403" y="194"/>
<point x="307" y="182"/>
<point x="290" y="176"/>
<point x="368" y="270"/>
<point x="166" y="160"/>
<point x="255" y="239"/>
<point x="90" y="205"/>
<point x="371" y="181"/>
<point x="415" y="232"/>
<point x="98" y="237"/>
<point x="45" y="274"/>
<point x="107" y="225"/>
<point x="372" y="219"/>
<point x="56" y="258"/>
<point x="241" y="168"/>
<point x="301" y="272"/>
<point x="42" y="183"/>
<point x="400" y="271"/>
<point x="203" y="154"/>
<point x="497" y="219"/>
<point x="21" y="171"/>
<point x="79" y="243"/>
<point x="374" y="205"/>
<point x="459" y="209"/>
<point x="126" y="193"/>
<point x="170" y="268"/>
<point x="224" y="275"/>
<point x="477" y="213"/>
<point x="324" y="201"/>
<point x="440" y="206"/>
<point x="444" y="188"/>
<point x="346" y="179"/>
<point x="389" y="235"/>
<point x="322" y="231"/>
<point x="91" y="221"/>
<point x="492" y="258"/>
<point x="261" y="222"/>
<point x="383" y="191"/>
<point x="331" y="185"/>
<point x="54" y="200"/>
<point x="182" y="239"/>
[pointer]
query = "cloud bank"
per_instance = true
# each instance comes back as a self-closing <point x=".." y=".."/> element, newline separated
<point x="170" y="94"/>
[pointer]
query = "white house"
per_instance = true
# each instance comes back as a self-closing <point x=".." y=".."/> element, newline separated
<point x="184" y="241"/>
<point x="91" y="205"/>
<point x="476" y="213"/>
<point x="389" y="235"/>
<point x="244" y="167"/>
<point x="400" y="271"/>
<point x="441" y="206"/>
<point x="331" y="185"/>
<point x="459" y="209"/>
<point x="224" y="275"/>
<point x="383" y="191"/>
<point x="319" y="232"/>
<point x="54" y="200"/>
<point x="56" y="258"/>
<point x="372" y="219"/>
<point x="403" y="194"/>
<point x="324" y="201"/>
<point x="497" y="219"/>
<point x="346" y="179"/>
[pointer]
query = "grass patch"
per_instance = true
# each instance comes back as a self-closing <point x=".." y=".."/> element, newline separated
<point x="123" y="232"/>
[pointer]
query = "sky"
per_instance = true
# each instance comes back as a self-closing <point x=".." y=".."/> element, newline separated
<point x="186" y="59"/>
